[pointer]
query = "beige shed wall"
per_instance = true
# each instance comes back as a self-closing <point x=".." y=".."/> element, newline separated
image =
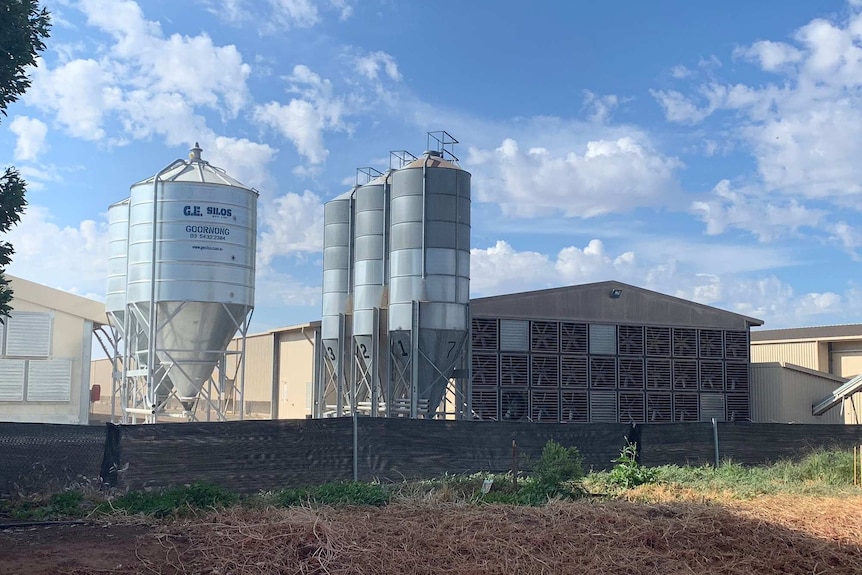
<point x="70" y="338"/>
<point x="784" y="394"/>
<point x="258" y="373"/>
<point x="804" y="354"/>
<point x="296" y="374"/>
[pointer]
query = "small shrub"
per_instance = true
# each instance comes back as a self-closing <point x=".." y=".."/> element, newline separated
<point x="627" y="472"/>
<point x="558" y="465"/>
<point x="66" y="503"/>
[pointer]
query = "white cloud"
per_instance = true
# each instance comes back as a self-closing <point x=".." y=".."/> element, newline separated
<point x="503" y="269"/>
<point x="602" y="177"/>
<point x="370" y="65"/>
<point x="279" y="15"/>
<point x="600" y="107"/>
<point x="293" y="223"/>
<point x="145" y="84"/>
<point x="680" y="72"/>
<point x="51" y="254"/>
<point x="805" y="129"/>
<point x="746" y="210"/>
<point x="771" y="56"/>
<point x="304" y="120"/>
<point x="31" y="137"/>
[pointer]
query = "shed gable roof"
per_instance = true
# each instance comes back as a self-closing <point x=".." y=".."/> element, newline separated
<point x="593" y="302"/>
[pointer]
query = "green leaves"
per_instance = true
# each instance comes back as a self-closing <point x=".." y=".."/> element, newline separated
<point x="23" y="30"/>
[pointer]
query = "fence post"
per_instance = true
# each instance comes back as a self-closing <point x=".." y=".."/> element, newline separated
<point x="715" y="440"/>
<point x="355" y="446"/>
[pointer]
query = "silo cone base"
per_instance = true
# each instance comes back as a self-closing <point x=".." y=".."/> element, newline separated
<point x="188" y="404"/>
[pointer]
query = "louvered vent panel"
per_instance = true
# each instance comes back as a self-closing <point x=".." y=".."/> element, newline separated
<point x="28" y="334"/>
<point x="485" y="334"/>
<point x="736" y="377"/>
<point x="712" y="405"/>
<point x="573" y="338"/>
<point x="603" y="406"/>
<point x="631" y="407"/>
<point x="574" y="407"/>
<point x="711" y="376"/>
<point x="514" y="335"/>
<point x="545" y="406"/>
<point x="736" y="345"/>
<point x="514" y="369"/>
<point x="711" y="344"/>
<point x="659" y="408"/>
<point x="11" y="380"/>
<point x="485" y="369"/>
<point x="631" y="373"/>
<point x="684" y="342"/>
<point x="603" y="339"/>
<point x="738" y="407"/>
<point x="603" y="373"/>
<point x="49" y="380"/>
<point x="658" y="374"/>
<point x="545" y="336"/>
<point x="573" y="371"/>
<point x="514" y="404"/>
<point x="685" y="407"/>
<point x="545" y="370"/>
<point x="684" y="374"/>
<point x="631" y="339"/>
<point x="485" y="403"/>
<point x="658" y="341"/>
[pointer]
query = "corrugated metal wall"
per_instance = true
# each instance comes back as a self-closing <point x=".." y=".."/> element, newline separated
<point x="798" y="353"/>
<point x="782" y="394"/>
<point x="258" y="372"/>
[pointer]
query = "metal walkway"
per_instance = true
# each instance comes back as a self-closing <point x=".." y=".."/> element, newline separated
<point x="837" y="396"/>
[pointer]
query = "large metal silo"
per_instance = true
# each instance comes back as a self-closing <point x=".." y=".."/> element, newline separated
<point x="190" y="281"/>
<point x="336" y="393"/>
<point x="370" y="291"/>
<point x="429" y="285"/>
<point x="118" y="243"/>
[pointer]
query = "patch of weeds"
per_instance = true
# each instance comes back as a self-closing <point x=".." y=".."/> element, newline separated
<point x="160" y="504"/>
<point x="343" y="493"/>
<point x="627" y="472"/>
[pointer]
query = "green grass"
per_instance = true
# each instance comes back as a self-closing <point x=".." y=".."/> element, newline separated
<point x="178" y="499"/>
<point x="345" y="493"/>
<point x="822" y="472"/>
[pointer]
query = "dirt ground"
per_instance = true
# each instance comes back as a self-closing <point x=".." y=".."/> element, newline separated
<point x="788" y="535"/>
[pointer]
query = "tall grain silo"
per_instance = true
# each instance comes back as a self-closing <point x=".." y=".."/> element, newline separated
<point x="370" y="237"/>
<point x="190" y="281"/>
<point x="429" y="281"/>
<point x="118" y="247"/>
<point x="336" y="393"/>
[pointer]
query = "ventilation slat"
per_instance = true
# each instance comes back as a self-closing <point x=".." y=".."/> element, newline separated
<point x="514" y="404"/>
<point x="28" y="334"/>
<point x="658" y="374"/>
<point x="659" y="408"/>
<point x="574" y="372"/>
<point x="631" y="340"/>
<point x="631" y="407"/>
<point x="545" y="406"/>
<point x="545" y="336"/>
<point x="514" y="335"/>
<point x="514" y="370"/>
<point x="49" y="380"/>
<point x="603" y="373"/>
<point x="603" y="406"/>
<point x="603" y="339"/>
<point x="574" y="407"/>
<point x="12" y="380"/>
<point x="484" y="334"/>
<point x="658" y="341"/>
<point x="484" y="369"/>
<point x="631" y="373"/>
<point x="712" y="406"/>
<point x="573" y="338"/>
<point x="545" y="370"/>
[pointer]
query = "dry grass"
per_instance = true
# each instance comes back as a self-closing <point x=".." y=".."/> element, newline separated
<point x="789" y="535"/>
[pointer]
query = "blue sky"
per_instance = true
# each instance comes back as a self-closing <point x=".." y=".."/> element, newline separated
<point x="709" y="151"/>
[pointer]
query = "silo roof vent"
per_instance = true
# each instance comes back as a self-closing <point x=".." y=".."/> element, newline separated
<point x="195" y="153"/>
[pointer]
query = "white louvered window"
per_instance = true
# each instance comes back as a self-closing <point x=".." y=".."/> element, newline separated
<point x="603" y="339"/>
<point x="514" y="335"/>
<point x="11" y="380"/>
<point x="49" y="380"/>
<point x="28" y="334"/>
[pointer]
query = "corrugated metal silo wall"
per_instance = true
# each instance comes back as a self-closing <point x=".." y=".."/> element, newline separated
<point x="804" y="353"/>
<point x="785" y="395"/>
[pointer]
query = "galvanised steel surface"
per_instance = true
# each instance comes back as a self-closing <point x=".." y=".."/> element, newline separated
<point x="369" y="292"/>
<point x="118" y="242"/>
<point x="429" y="278"/>
<point x="204" y="270"/>
<point x="337" y="242"/>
